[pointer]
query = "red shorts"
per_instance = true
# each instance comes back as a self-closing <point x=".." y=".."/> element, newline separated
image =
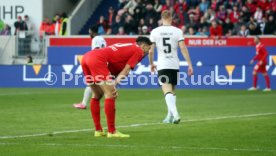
<point x="260" y="68"/>
<point x="95" y="69"/>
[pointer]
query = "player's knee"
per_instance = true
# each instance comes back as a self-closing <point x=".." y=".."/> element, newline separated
<point x="254" y="73"/>
<point x="97" y="96"/>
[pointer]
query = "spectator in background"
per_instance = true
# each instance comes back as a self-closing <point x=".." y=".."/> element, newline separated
<point x="181" y="6"/>
<point x="215" y="30"/>
<point x="121" y="31"/>
<point x="270" y="26"/>
<point x="130" y="6"/>
<point x="262" y="25"/>
<point x="29" y="23"/>
<point x="251" y="6"/>
<point x="192" y="22"/>
<point x="158" y="8"/>
<point x="111" y="15"/>
<point x="254" y="30"/>
<point x="203" y="32"/>
<point x="102" y="26"/>
<point x="46" y="27"/>
<point x="63" y="27"/>
<point x="149" y="12"/>
<point x="251" y="20"/>
<point x="258" y="15"/>
<point x="244" y="31"/>
<point x="204" y="5"/>
<point x="151" y="24"/>
<point x="210" y="15"/>
<point x="245" y="14"/>
<point x="6" y="30"/>
<point x="20" y="25"/>
<point x="234" y="15"/>
<point x="264" y="5"/>
<point x="227" y="27"/>
<point x="117" y="24"/>
<point x="221" y="14"/>
<point x="2" y="25"/>
<point x="203" y="23"/>
<point x="130" y="26"/>
<point x="57" y="24"/>
<point x="191" y="31"/>
<point x="145" y="30"/>
<point x="166" y="6"/>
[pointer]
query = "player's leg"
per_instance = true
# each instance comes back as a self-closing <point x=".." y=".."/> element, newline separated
<point x="109" y="107"/>
<point x="95" y="109"/>
<point x="267" y="81"/>
<point x="85" y="100"/>
<point x="168" y="79"/>
<point x="255" y="79"/>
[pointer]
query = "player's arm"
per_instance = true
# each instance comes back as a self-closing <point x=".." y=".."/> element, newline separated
<point x="186" y="55"/>
<point x="151" y="55"/>
<point x="122" y="74"/>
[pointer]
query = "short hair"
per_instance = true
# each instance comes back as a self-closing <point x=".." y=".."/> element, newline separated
<point x="141" y="39"/>
<point x="166" y="14"/>
<point x="94" y="29"/>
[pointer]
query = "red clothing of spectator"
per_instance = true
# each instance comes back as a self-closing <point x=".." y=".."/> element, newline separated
<point x="180" y="7"/>
<point x="264" y="5"/>
<point x="273" y="5"/>
<point x="234" y="16"/>
<point x="216" y="31"/>
<point x="48" y="28"/>
<point x="251" y="7"/>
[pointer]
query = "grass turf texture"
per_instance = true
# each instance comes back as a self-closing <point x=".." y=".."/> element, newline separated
<point x="213" y="123"/>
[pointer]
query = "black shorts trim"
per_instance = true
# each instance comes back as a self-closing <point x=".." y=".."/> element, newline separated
<point x="169" y="76"/>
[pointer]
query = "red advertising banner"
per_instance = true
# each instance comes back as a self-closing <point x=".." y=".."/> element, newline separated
<point x="238" y="41"/>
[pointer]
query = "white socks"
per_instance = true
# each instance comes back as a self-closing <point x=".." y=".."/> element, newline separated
<point x="171" y="104"/>
<point x="86" y="96"/>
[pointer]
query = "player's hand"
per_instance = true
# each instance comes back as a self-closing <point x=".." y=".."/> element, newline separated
<point x="153" y="68"/>
<point x="115" y="93"/>
<point x="190" y="71"/>
<point x="252" y="61"/>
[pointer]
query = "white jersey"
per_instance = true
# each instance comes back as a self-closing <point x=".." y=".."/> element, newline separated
<point x="166" y="39"/>
<point x="98" y="42"/>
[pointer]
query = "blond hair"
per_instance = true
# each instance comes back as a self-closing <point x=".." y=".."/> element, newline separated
<point x="166" y="14"/>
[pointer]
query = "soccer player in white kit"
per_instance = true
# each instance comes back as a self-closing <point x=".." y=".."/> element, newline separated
<point x="97" y="43"/>
<point x="167" y="39"/>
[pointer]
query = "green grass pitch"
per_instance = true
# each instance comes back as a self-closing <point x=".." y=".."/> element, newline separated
<point x="215" y="123"/>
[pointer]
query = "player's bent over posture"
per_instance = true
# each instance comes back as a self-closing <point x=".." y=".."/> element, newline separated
<point x="97" y="43"/>
<point x="260" y="67"/>
<point x="167" y="38"/>
<point x="99" y="66"/>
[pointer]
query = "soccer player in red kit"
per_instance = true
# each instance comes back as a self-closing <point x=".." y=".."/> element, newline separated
<point x="100" y="66"/>
<point x="260" y="67"/>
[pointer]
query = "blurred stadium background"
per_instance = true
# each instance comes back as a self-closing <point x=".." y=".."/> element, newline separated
<point x="36" y="115"/>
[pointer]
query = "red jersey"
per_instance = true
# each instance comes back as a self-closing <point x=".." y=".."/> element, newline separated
<point x="118" y="55"/>
<point x="261" y="53"/>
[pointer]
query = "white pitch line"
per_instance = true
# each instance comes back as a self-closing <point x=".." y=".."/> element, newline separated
<point x="139" y="125"/>
<point x="152" y="147"/>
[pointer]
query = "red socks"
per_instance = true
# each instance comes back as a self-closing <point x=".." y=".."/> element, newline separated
<point x="267" y="81"/>
<point x="96" y="113"/>
<point x="109" y="108"/>
<point x="255" y="79"/>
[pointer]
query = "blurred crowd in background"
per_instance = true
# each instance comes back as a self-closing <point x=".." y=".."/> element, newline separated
<point x="195" y="17"/>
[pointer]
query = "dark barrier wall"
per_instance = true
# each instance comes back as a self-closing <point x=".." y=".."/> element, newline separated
<point x="215" y="66"/>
